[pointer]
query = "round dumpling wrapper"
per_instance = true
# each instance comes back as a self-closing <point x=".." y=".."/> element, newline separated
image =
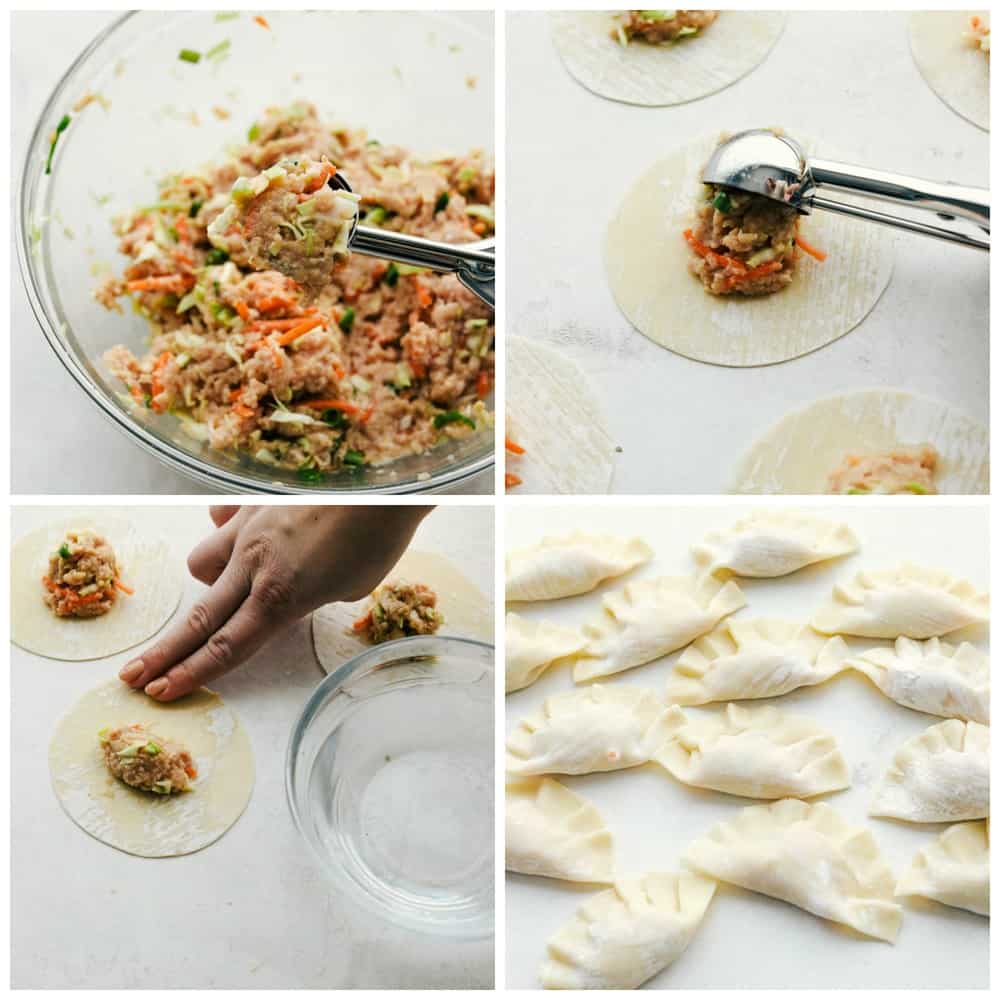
<point x="800" y="451"/>
<point x="554" y="414"/>
<point x="647" y="257"/>
<point x="658" y="75"/>
<point x="138" y="822"/>
<point x="467" y="612"/>
<point x="959" y="73"/>
<point x="147" y="566"/>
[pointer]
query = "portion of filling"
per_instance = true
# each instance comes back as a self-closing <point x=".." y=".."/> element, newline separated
<point x="400" y="609"/>
<point x="978" y="35"/>
<point x="317" y="371"/>
<point x="146" y="761"/>
<point x="902" y="470"/>
<point x="287" y="219"/>
<point x="745" y="244"/>
<point x="82" y="581"/>
<point x="658" y="27"/>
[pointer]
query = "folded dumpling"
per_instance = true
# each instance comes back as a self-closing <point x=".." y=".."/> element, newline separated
<point x="594" y="729"/>
<point x="627" y="934"/>
<point x="940" y="776"/>
<point x="931" y="677"/>
<point x="954" y="869"/>
<point x="760" y="753"/>
<point x="910" y="600"/>
<point x="754" y="658"/>
<point x="554" y="832"/>
<point x="532" y="647"/>
<point x="807" y="855"/>
<point x="650" y="618"/>
<point x="575" y="564"/>
<point x="770" y="544"/>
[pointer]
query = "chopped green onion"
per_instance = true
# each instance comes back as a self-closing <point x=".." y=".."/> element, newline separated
<point x="452" y="417"/>
<point x="375" y="216"/>
<point x="467" y="175"/>
<point x="855" y="491"/>
<point x="476" y="324"/>
<point x="721" y="202"/>
<point x="60" y="128"/>
<point x="915" y="488"/>
<point x="189" y="55"/>
<point x="442" y="203"/>
<point x="162" y="787"/>
<point x="346" y="321"/>
<point x="392" y="276"/>
<point x="352" y="457"/>
<point x="217" y="50"/>
<point x="129" y="751"/>
<point x="216" y="256"/>
<point x="152" y="748"/>
<point x="335" y="419"/>
<point x="253" y="132"/>
<point x="194" y="209"/>
<point x="64" y="550"/>
<point x="310" y="475"/>
<point x="227" y="15"/>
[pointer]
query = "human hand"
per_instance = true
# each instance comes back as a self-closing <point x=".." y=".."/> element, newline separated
<point x="266" y="567"/>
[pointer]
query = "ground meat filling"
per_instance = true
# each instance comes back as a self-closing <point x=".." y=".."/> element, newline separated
<point x="287" y="219"/>
<point x="142" y="759"/>
<point x="398" y="610"/>
<point x="743" y="244"/>
<point x="902" y="470"/>
<point x="82" y="581"/>
<point x="378" y="362"/>
<point x="659" y="27"/>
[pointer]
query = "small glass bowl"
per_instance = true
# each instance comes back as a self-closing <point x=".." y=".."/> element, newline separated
<point x="389" y="777"/>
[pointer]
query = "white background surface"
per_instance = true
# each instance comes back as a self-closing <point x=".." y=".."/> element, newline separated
<point x="846" y="77"/>
<point x="58" y="429"/>
<point x="252" y="910"/>
<point x="747" y="940"/>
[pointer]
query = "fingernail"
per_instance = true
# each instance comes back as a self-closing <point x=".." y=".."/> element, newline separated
<point x="130" y="671"/>
<point x="153" y="688"/>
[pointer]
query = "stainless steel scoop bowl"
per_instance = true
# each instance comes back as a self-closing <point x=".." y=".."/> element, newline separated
<point x="766" y="163"/>
<point x="472" y="263"/>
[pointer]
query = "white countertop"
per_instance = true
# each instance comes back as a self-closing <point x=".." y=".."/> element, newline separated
<point x="848" y="77"/>
<point x="252" y="910"/>
<point x="58" y="429"/>
<point x="749" y="941"/>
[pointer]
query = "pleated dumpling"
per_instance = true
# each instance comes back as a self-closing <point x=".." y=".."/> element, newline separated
<point x="941" y="775"/>
<point x="575" y="564"/>
<point x="953" y="869"/>
<point x="759" y="753"/>
<point x="532" y="647"/>
<point x="651" y="618"/>
<point x="931" y="677"/>
<point x="807" y="855"/>
<point x="770" y="544"/>
<point x="552" y="831"/>
<point x="594" y="729"/>
<point x="626" y="935"/>
<point x="909" y="600"/>
<point x="753" y="658"/>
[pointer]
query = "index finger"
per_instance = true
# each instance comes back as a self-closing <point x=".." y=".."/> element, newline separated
<point x="204" y="619"/>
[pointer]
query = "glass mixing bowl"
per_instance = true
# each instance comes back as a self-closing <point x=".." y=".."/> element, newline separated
<point x="389" y="777"/>
<point x="418" y="79"/>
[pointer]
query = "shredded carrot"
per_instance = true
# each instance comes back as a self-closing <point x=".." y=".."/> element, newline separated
<point x="242" y="410"/>
<point x="125" y="590"/>
<point x="272" y="303"/>
<point x="262" y="21"/>
<point x="191" y="770"/>
<point x="135" y="391"/>
<point x="483" y="384"/>
<point x="339" y="372"/>
<point x="157" y="386"/>
<point x="513" y="446"/>
<point x="717" y="259"/>
<point x="424" y="295"/>
<point x="510" y="480"/>
<point x="758" y="272"/>
<point x="279" y="358"/>
<point x="975" y="22"/>
<point x="267" y="325"/>
<point x="301" y="330"/>
<point x="181" y="225"/>
<point x="362" y="623"/>
<point x="812" y="251"/>
<point x="243" y="311"/>
<point x="367" y="414"/>
<point x="234" y="394"/>
<point x="182" y="258"/>
<point x="331" y="404"/>
<point x="164" y="283"/>
<point x="325" y="174"/>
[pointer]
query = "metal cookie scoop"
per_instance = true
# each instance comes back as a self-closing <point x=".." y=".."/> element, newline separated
<point x="776" y="166"/>
<point x="472" y="263"/>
